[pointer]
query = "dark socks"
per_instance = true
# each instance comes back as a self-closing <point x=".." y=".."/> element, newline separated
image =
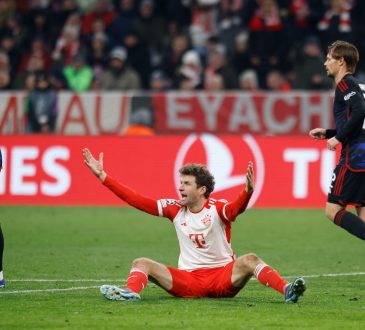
<point x="351" y="222"/>
<point x="1" y="249"/>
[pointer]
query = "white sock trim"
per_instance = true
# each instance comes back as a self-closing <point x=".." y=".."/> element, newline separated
<point x="258" y="269"/>
<point x="139" y="271"/>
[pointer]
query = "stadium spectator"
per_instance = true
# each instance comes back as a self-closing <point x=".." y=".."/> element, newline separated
<point x="41" y="107"/>
<point x="215" y="83"/>
<point x="102" y="10"/>
<point x="67" y="44"/>
<point x="248" y="81"/>
<point x="308" y="67"/>
<point x="119" y="75"/>
<point x="268" y="29"/>
<point x="150" y="26"/>
<point x="159" y="81"/>
<point x="39" y="51"/>
<point x="139" y="58"/>
<point x="4" y="71"/>
<point x="123" y="22"/>
<point x="207" y="264"/>
<point x="348" y="179"/>
<point x="190" y="73"/>
<point x="97" y="55"/>
<point x="275" y="81"/>
<point x="336" y="23"/>
<point x="172" y="58"/>
<point x="218" y="64"/>
<point x="78" y="74"/>
<point x="140" y="123"/>
<point x="241" y="56"/>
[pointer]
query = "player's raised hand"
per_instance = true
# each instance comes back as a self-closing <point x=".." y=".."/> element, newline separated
<point x="318" y="133"/>
<point x="96" y="166"/>
<point x="250" y="178"/>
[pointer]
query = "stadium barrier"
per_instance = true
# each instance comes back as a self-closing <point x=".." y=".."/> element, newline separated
<point x="179" y="112"/>
<point x="291" y="171"/>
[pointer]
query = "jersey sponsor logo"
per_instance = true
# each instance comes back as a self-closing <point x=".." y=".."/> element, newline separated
<point x="198" y="240"/>
<point x="226" y="159"/>
<point x="347" y="96"/>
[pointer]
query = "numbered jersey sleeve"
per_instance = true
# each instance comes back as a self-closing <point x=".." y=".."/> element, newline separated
<point x="168" y="208"/>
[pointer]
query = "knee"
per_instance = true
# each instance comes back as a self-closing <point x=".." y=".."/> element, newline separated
<point x="249" y="262"/>
<point x="141" y="263"/>
<point x="331" y="213"/>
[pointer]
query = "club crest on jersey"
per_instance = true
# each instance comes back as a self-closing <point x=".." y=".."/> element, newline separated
<point x="207" y="220"/>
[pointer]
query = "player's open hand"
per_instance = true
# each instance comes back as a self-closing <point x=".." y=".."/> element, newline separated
<point x="318" y="133"/>
<point x="96" y="166"/>
<point x="250" y="178"/>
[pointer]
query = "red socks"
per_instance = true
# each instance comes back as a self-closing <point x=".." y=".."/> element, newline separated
<point x="270" y="277"/>
<point x="137" y="280"/>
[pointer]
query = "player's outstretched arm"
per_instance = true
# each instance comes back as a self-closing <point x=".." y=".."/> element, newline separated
<point x="318" y="133"/>
<point x="250" y="178"/>
<point x="96" y="166"/>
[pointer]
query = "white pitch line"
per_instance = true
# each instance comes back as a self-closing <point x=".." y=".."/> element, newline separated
<point x="113" y="280"/>
<point x="51" y="290"/>
<point x="67" y="280"/>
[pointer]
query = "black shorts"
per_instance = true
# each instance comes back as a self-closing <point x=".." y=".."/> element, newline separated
<point x="347" y="188"/>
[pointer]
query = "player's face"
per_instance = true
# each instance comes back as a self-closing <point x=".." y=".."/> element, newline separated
<point x="332" y="65"/>
<point x="190" y="193"/>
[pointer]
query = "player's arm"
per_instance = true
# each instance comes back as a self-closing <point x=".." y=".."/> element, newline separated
<point x="125" y="193"/>
<point x="357" y="115"/>
<point x="232" y="209"/>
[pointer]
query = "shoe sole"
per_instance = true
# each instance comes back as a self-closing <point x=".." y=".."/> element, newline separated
<point x="115" y="293"/>
<point x="298" y="288"/>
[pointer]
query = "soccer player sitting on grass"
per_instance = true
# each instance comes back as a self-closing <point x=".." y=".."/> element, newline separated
<point x="207" y="264"/>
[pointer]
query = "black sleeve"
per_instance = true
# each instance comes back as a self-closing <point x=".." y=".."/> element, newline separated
<point x="330" y="133"/>
<point x="354" y="99"/>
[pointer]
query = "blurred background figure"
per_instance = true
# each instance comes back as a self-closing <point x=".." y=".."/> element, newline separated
<point x="215" y="83"/>
<point x="119" y="75"/>
<point x="308" y="67"/>
<point x="159" y="82"/>
<point x="140" y="122"/>
<point x="218" y="64"/>
<point x="41" y="107"/>
<point x="78" y="74"/>
<point x="190" y="74"/>
<point x="276" y="81"/>
<point x="249" y="81"/>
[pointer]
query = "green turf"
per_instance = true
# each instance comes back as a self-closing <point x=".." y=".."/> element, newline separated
<point x="63" y="243"/>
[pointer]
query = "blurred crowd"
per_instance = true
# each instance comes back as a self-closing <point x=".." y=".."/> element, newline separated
<point x="157" y="45"/>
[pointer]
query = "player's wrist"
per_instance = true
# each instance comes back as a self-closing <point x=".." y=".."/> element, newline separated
<point x="102" y="176"/>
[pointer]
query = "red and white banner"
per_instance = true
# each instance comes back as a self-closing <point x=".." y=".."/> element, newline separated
<point x="107" y="113"/>
<point x="240" y="113"/>
<point x="290" y="171"/>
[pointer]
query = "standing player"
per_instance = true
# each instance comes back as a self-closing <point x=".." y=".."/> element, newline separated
<point x="348" y="179"/>
<point x="207" y="264"/>
<point x="2" y="281"/>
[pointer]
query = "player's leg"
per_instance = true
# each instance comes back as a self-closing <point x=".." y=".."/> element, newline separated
<point x="142" y="270"/>
<point x="361" y="212"/>
<point x="250" y="265"/>
<point x="347" y="188"/>
<point x="2" y="281"/>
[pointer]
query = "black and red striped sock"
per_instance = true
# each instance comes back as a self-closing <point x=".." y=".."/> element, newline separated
<point x="351" y="222"/>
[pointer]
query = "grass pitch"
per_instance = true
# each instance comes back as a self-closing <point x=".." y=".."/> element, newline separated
<point x="57" y="257"/>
